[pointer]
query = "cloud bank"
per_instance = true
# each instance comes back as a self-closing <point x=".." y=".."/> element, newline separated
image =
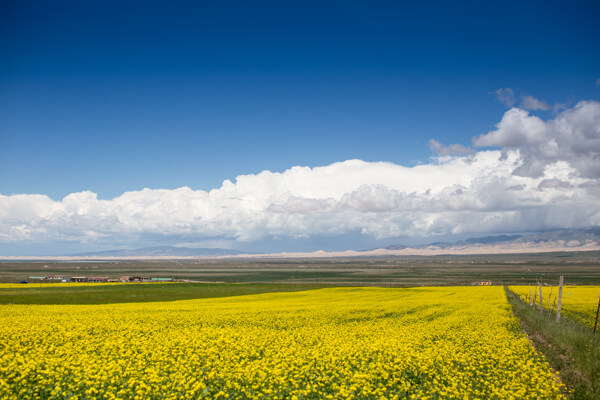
<point x="528" y="174"/>
<point x="573" y="136"/>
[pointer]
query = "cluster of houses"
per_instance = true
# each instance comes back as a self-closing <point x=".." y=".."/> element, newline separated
<point x="97" y="279"/>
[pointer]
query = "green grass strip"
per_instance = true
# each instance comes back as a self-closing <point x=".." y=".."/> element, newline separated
<point x="135" y="293"/>
<point x="571" y="348"/>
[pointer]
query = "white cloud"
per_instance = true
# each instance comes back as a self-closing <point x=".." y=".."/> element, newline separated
<point x="572" y="136"/>
<point x="517" y="128"/>
<point x="554" y="184"/>
<point x="506" y="96"/>
<point x="531" y="103"/>
<point x="450" y="150"/>
<point x="545" y="174"/>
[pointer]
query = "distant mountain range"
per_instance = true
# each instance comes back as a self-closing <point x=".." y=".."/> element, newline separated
<point x="558" y="240"/>
<point x="480" y="240"/>
<point x="569" y="237"/>
<point x="161" y="251"/>
<point x="542" y="242"/>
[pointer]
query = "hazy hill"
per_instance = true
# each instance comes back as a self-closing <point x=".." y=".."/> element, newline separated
<point x="162" y="251"/>
<point x="541" y="242"/>
<point x="571" y="237"/>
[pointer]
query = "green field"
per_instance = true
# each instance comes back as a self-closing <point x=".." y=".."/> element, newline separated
<point x="577" y="267"/>
<point x="129" y="293"/>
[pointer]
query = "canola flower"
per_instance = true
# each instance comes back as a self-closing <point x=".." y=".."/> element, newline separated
<point x="579" y="303"/>
<point x="339" y="343"/>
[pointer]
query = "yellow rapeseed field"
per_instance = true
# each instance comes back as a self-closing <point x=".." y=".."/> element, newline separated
<point x="578" y="302"/>
<point x="342" y="343"/>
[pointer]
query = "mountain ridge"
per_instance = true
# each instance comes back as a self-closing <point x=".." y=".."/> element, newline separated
<point x="573" y="236"/>
<point x="161" y="251"/>
<point x="568" y="240"/>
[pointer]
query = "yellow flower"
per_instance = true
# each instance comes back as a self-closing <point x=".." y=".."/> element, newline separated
<point x="363" y="343"/>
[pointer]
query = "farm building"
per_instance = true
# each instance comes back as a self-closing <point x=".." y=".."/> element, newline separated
<point x="135" y="279"/>
<point x="162" y="279"/>
<point x="481" y="283"/>
<point x="79" y="279"/>
<point x="131" y="279"/>
<point x="98" y="279"/>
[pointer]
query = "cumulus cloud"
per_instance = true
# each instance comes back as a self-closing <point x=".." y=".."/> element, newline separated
<point x="478" y="193"/>
<point x="516" y="129"/>
<point x="573" y="137"/>
<point x="538" y="174"/>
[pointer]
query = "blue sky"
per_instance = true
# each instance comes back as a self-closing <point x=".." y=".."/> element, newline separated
<point x="111" y="97"/>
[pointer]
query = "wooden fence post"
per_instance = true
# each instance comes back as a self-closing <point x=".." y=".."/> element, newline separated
<point x="561" y="281"/>
<point x="534" y="298"/>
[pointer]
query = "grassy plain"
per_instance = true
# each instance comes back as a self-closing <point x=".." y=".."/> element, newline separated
<point x="352" y="343"/>
<point x="137" y="292"/>
<point x="578" y="268"/>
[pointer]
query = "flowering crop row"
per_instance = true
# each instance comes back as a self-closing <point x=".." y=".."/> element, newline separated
<point x="351" y="343"/>
<point x="578" y="302"/>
